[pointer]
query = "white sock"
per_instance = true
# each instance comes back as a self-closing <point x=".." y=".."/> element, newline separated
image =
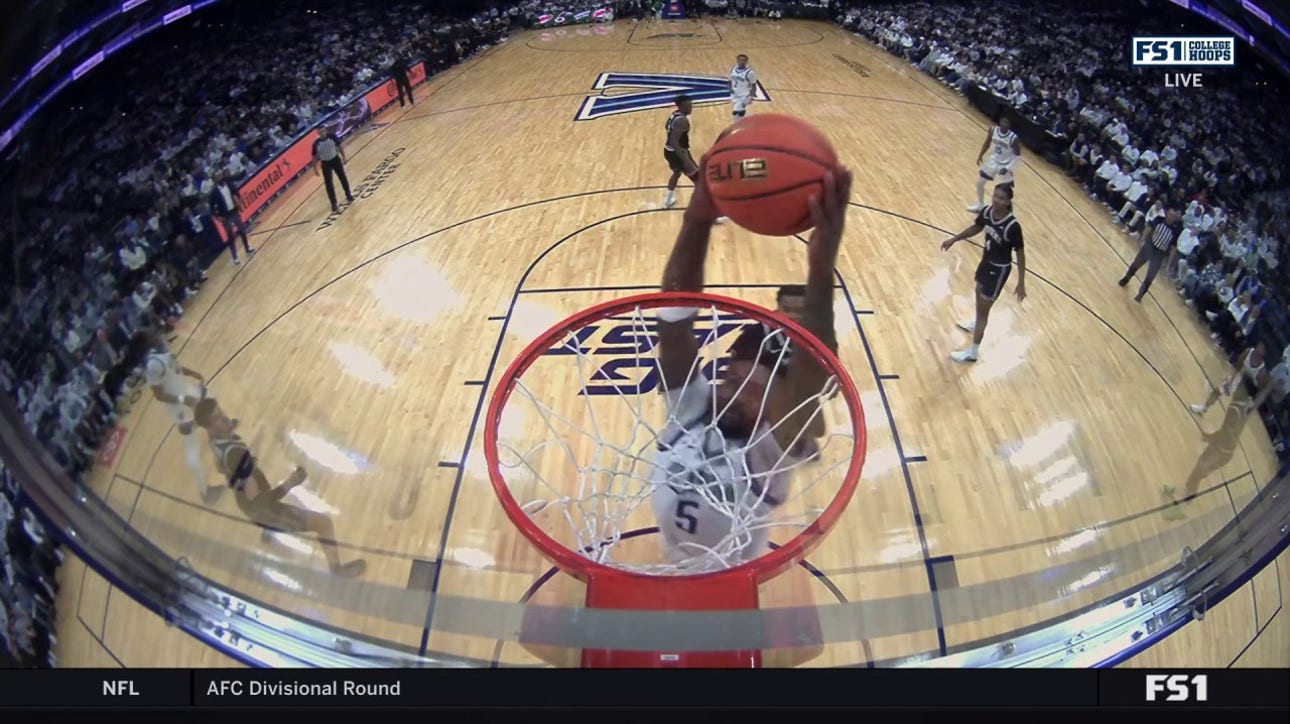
<point x="973" y="349"/>
<point x="193" y="455"/>
<point x="980" y="191"/>
<point x="671" y="196"/>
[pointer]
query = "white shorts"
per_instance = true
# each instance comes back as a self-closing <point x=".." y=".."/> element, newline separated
<point x="181" y="414"/>
<point x="740" y="103"/>
<point x="998" y="172"/>
<point x="690" y="527"/>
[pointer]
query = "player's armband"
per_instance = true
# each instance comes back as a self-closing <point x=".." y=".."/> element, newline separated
<point x="677" y="314"/>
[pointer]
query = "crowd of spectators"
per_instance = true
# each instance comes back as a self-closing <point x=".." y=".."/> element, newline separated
<point x="1217" y="155"/>
<point x="28" y="584"/>
<point x="116" y="230"/>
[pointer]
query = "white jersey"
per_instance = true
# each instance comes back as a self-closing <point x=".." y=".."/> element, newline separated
<point x="749" y="479"/>
<point x="162" y="370"/>
<point x="1001" y="143"/>
<point x="1248" y="372"/>
<point x="742" y="82"/>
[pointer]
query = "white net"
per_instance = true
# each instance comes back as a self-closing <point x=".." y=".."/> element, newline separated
<point x="599" y="451"/>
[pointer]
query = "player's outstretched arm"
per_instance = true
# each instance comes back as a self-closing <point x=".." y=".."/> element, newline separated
<point x="791" y="407"/>
<point x="967" y="233"/>
<point x="677" y="346"/>
<point x="1238" y="370"/>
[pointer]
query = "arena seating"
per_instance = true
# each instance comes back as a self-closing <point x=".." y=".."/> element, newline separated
<point x="115" y="231"/>
<point x="1216" y="155"/>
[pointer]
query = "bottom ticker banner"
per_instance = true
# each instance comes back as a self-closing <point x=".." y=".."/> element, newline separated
<point x="533" y="688"/>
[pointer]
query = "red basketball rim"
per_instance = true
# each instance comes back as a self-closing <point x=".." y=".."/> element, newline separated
<point x="762" y="568"/>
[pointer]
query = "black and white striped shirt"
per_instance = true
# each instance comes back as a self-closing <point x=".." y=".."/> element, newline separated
<point x="1165" y="235"/>
<point x="326" y="149"/>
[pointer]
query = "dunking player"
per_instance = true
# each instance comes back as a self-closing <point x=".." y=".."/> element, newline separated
<point x="180" y="390"/>
<point x="1002" y="239"/>
<point x="742" y="82"/>
<point x="677" y="150"/>
<point x="725" y="439"/>
<point x="759" y="343"/>
<point x="1005" y="153"/>
<point x="260" y="502"/>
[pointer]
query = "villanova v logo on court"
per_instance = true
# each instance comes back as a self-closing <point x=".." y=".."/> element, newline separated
<point x="655" y="90"/>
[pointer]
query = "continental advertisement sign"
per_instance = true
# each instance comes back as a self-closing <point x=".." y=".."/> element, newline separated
<point x="266" y="183"/>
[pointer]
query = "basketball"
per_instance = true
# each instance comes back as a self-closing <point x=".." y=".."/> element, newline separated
<point x="762" y="173"/>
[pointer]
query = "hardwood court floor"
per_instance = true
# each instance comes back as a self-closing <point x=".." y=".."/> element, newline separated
<point x="365" y="347"/>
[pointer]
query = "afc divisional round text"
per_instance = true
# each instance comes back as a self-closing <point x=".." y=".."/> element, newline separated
<point x="312" y="689"/>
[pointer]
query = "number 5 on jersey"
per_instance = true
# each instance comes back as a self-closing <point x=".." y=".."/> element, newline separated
<point x="685" y="519"/>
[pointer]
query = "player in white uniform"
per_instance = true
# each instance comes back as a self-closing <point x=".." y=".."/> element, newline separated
<point x="742" y="82"/>
<point x="179" y="389"/>
<point x="731" y="440"/>
<point x="1253" y="367"/>
<point x="1005" y="153"/>
<point x="1221" y="444"/>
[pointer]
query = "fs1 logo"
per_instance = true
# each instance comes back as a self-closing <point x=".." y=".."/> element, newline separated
<point x="1179" y="687"/>
<point x="626" y="346"/>
<point x="1179" y="51"/>
<point x="654" y="91"/>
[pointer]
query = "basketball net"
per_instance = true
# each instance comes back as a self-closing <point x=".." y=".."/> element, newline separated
<point x="583" y="473"/>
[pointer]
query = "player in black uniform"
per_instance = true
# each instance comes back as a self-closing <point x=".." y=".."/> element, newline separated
<point x="677" y="150"/>
<point x="760" y="343"/>
<point x="1002" y="239"/>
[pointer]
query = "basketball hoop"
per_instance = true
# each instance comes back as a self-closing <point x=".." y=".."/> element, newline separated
<point x="574" y="477"/>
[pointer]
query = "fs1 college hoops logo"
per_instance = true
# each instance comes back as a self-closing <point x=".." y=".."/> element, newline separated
<point x="653" y="91"/>
<point x="1178" y="51"/>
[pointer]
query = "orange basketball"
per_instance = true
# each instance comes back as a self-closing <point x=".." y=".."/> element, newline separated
<point x="763" y="171"/>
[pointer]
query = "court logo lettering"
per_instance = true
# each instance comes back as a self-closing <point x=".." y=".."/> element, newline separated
<point x="623" y="349"/>
<point x="366" y="188"/>
<point x="857" y="67"/>
<point x="652" y="91"/>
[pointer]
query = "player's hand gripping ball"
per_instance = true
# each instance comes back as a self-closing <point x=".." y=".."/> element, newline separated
<point x="764" y="169"/>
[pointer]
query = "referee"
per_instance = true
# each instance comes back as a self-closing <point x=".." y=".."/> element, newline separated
<point x="1157" y="239"/>
<point x="331" y="158"/>
<point x="399" y="72"/>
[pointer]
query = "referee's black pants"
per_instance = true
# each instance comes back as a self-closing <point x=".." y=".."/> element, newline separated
<point x="403" y="84"/>
<point x="1151" y="256"/>
<point x="334" y="166"/>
